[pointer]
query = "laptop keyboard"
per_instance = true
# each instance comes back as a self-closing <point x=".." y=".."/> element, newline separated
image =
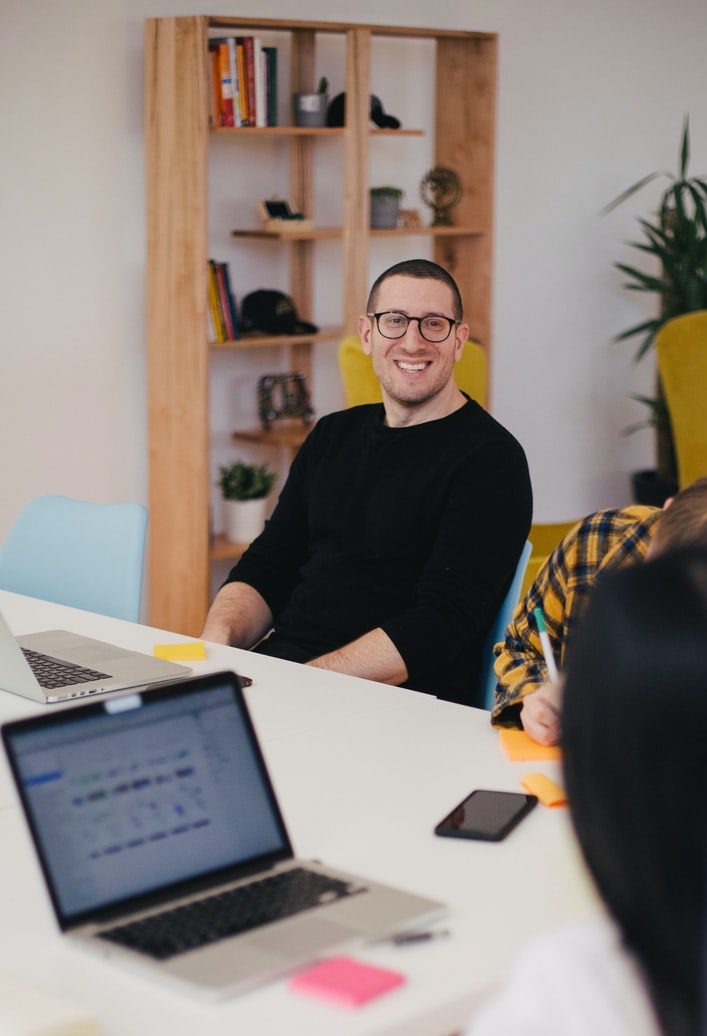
<point x="53" y="672"/>
<point x="229" y="913"/>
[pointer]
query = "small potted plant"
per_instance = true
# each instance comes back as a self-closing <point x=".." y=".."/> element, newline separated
<point x="385" y="206"/>
<point x="245" y="488"/>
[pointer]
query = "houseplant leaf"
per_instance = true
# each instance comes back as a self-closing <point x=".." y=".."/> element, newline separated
<point x="677" y="241"/>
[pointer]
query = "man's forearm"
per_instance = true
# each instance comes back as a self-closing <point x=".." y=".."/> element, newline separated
<point x="239" y="616"/>
<point x="372" y="656"/>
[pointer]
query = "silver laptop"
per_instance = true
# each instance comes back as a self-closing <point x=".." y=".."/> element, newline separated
<point x="56" y="666"/>
<point x="163" y="845"/>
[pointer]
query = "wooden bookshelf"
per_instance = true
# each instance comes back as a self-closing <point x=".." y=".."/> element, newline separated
<point x="177" y="156"/>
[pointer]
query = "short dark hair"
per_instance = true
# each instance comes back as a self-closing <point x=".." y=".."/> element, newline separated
<point x="684" y="522"/>
<point x="424" y="270"/>
<point x="634" y="731"/>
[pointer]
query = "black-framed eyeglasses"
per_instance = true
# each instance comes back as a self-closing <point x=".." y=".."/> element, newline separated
<point x="433" y="328"/>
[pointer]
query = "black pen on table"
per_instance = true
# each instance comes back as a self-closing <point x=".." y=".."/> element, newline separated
<point x="407" y="938"/>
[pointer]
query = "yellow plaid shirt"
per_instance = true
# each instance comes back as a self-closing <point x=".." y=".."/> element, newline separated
<point x="605" y="540"/>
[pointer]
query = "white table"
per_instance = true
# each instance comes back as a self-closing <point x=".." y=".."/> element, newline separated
<point x="363" y="772"/>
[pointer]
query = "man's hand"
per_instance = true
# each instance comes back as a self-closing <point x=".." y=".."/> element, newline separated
<point x="539" y="718"/>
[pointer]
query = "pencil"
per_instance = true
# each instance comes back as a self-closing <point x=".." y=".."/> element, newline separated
<point x="545" y="644"/>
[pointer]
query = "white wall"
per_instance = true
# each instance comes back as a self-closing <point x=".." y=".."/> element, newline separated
<point x="591" y="97"/>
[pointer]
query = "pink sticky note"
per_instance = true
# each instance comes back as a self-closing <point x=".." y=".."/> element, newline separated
<point x="346" y="981"/>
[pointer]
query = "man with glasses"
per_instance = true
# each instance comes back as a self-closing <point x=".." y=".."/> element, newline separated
<point x="397" y="532"/>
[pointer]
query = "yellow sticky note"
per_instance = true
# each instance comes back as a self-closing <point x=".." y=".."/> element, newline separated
<point x="186" y="651"/>
<point x="520" y="748"/>
<point x="549" y="793"/>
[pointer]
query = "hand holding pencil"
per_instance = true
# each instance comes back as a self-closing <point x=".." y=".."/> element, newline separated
<point x="540" y="712"/>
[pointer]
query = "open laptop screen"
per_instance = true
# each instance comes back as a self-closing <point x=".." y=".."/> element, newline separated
<point x="144" y="792"/>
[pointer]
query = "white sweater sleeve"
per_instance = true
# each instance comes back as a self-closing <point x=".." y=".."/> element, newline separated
<point x="577" y="982"/>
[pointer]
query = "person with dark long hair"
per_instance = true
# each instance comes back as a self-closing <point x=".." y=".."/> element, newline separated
<point x="634" y="737"/>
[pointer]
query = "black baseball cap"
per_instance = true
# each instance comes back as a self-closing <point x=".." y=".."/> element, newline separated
<point x="336" y="113"/>
<point x="273" y="312"/>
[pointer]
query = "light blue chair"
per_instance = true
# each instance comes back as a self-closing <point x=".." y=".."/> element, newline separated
<point x="487" y="681"/>
<point x="78" y="553"/>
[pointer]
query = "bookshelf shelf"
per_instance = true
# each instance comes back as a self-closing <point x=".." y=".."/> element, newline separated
<point x="289" y="436"/>
<point x="425" y="231"/>
<point x="278" y="131"/>
<point x="317" y="234"/>
<point x="321" y="233"/>
<point x="179" y="91"/>
<point x="397" y="132"/>
<point x="222" y="549"/>
<point x="306" y="131"/>
<point x="257" y="341"/>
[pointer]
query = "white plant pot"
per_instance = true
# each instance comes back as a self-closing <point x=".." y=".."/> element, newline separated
<point x="245" y="519"/>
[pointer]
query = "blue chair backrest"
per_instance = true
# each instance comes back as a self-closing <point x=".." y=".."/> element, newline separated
<point x="78" y="553"/>
<point x="487" y="681"/>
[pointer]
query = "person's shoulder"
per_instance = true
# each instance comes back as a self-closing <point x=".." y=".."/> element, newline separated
<point x="573" y="980"/>
<point x="474" y="414"/>
<point x="616" y="519"/>
<point x="486" y="431"/>
<point x="352" y="417"/>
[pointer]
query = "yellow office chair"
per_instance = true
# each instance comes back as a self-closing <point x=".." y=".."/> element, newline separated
<point x="682" y="364"/>
<point x="544" y="536"/>
<point x="361" y="384"/>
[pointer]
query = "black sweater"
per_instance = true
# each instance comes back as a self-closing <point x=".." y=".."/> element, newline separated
<point x="415" y="530"/>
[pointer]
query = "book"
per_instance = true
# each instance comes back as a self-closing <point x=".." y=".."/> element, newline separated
<point x="227" y="113"/>
<point x="222" y="317"/>
<point x="231" y="301"/>
<point x="230" y="42"/>
<point x="210" y="327"/>
<point x="214" y="87"/>
<point x="224" y="307"/>
<point x="235" y="86"/>
<point x="259" y="81"/>
<point x="214" y="306"/>
<point x="249" y="76"/>
<point x="242" y="87"/>
<point x="270" y="60"/>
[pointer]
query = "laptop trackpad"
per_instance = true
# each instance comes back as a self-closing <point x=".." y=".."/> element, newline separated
<point x="302" y="935"/>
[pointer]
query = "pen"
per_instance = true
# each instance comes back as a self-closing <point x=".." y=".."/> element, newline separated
<point x="545" y="644"/>
<point x="404" y="938"/>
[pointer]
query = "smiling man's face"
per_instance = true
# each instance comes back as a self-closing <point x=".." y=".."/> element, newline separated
<point x="412" y="371"/>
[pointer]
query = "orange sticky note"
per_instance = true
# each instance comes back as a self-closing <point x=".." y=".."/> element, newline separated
<point x="549" y="793"/>
<point x="186" y="651"/>
<point x="520" y="748"/>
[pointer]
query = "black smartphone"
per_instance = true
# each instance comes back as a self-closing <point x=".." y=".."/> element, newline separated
<point x="488" y="815"/>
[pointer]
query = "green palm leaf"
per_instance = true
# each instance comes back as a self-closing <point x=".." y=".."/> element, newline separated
<point x="676" y="239"/>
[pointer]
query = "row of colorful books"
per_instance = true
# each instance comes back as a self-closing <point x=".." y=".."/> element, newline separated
<point x="221" y="310"/>
<point x="243" y="86"/>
